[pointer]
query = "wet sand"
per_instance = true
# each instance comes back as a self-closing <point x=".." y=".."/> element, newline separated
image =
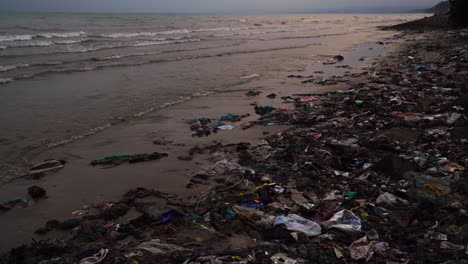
<point x="57" y="107"/>
<point x="80" y="184"/>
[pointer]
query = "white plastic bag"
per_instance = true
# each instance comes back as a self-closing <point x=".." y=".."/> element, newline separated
<point x="297" y="223"/>
<point x="344" y="220"/>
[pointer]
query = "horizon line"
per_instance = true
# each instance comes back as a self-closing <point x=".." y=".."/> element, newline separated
<point x="335" y="11"/>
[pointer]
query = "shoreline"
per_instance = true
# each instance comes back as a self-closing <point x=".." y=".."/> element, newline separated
<point x="97" y="98"/>
<point x="186" y="197"/>
<point x="111" y="140"/>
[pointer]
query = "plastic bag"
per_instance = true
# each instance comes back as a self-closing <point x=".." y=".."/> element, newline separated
<point x="96" y="258"/>
<point x="297" y="223"/>
<point x="344" y="220"/>
<point x="156" y="247"/>
<point x="365" y="249"/>
<point x="390" y="199"/>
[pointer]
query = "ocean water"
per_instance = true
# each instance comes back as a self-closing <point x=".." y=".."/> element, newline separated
<point x="36" y="45"/>
<point x="67" y="75"/>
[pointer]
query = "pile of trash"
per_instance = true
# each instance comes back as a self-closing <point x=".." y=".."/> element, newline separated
<point x="203" y="127"/>
<point x="374" y="174"/>
<point x="119" y="159"/>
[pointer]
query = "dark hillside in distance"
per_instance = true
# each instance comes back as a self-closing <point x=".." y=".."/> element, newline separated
<point x="442" y="7"/>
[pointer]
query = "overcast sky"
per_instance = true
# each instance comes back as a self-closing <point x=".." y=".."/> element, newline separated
<point x="207" y="6"/>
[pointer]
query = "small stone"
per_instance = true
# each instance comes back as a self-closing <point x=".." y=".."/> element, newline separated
<point x="338" y="57"/>
<point x="36" y="192"/>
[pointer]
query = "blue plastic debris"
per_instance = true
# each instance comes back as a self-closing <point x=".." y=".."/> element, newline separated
<point x="422" y="68"/>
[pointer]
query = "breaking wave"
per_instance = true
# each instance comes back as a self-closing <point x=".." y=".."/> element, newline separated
<point x="63" y="35"/>
<point x="144" y="34"/>
<point x="42" y="35"/>
<point x="162" y="42"/>
<point x="170" y="32"/>
<point x="5" y="80"/>
<point x="15" y="37"/>
<point x="4" y="68"/>
<point x="42" y="43"/>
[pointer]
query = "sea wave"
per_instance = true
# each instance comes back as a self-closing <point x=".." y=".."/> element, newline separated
<point x="15" y="37"/>
<point x="220" y="29"/>
<point x="26" y="37"/>
<point x="83" y="49"/>
<point x="162" y="42"/>
<point x="142" y="62"/>
<point x="4" y="68"/>
<point x="5" y="80"/>
<point x="144" y="34"/>
<point x="66" y="42"/>
<point x="137" y="54"/>
<point x="42" y="43"/>
<point x="252" y="33"/>
<point x="170" y="32"/>
<point x="62" y="35"/>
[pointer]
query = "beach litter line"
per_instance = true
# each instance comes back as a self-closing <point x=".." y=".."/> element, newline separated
<point x="119" y="159"/>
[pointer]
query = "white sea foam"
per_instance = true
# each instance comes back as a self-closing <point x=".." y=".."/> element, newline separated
<point x="83" y="49"/>
<point x="220" y="29"/>
<point x="15" y="37"/>
<point x="62" y="35"/>
<point x="4" y="68"/>
<point x="150" y="43"/>
<point x="114" y="57"/>
<point x="145" y="34"/>
<point x="41" y="43"/>
<point x="129" y="35"/>
<point x="223" y="35"/>
<point x="169" y="32"/>
<point x="5" y="80"/>
<point x="70" y="41"/>
<point x="43" y="35"/>
<point x="311" y="20"/>
<point x="162" y="42"/>
<point x="31" y="44"/>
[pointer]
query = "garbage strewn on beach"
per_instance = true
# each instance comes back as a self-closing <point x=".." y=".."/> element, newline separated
<point x="375" y="173"/>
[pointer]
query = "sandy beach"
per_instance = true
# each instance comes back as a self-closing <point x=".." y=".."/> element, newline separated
<point x="355" y="125"/>
<point x="80" y="184"/>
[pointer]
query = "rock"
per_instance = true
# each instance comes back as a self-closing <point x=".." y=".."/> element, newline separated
<point x="36" y="192"/>
<point x="338" y="57"/>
